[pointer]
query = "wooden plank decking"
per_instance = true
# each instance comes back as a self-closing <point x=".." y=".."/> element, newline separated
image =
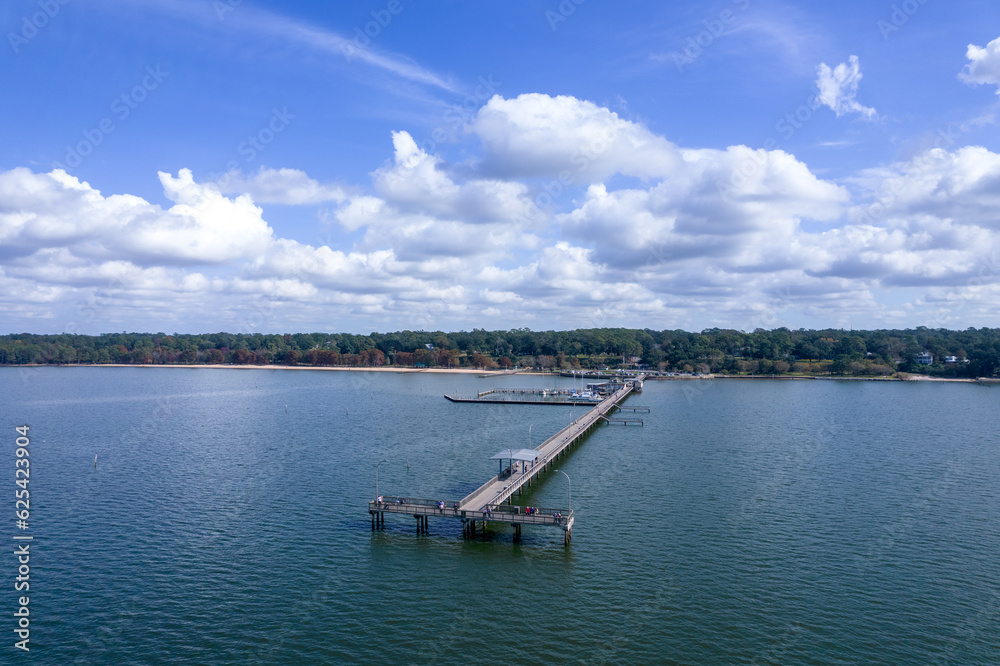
<point x="486" y="503"/>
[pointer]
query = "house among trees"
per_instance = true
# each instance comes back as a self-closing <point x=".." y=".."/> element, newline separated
<point x="880" y="353"/>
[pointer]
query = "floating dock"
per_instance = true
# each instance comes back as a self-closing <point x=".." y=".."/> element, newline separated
<point x="487" y="503"/>
<point x="539" y="396"/>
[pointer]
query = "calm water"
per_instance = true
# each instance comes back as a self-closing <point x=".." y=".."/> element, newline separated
<point x="747" y="522"/>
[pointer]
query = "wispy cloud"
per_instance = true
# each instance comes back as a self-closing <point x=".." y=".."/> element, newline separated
<point x="331" y="42"/>
<point x="838" y="88"/>
<point x="239" y="16"/>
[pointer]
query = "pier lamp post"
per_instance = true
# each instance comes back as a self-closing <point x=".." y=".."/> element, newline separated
<point x="529" y="434"/>
<point x="376" y="478"/>
<point x="570" y="487"/>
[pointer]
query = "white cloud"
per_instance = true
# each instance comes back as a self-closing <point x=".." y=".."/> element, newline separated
<point x="727" y="206"/>
<point x="962" y="186"/>
<point x="838" y="88"/>
<point x="423" y="213"/>
<point x="353" y="47"/>
<point x="280" y="186"/>
<point x="984" y="65"/>
<point x="535" y="135"/>
<point x="57" y="210"/>
<point x="417" y="182"/>
<point x="732" y="237"/>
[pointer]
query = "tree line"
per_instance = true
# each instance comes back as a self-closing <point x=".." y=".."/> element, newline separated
<point x="969" y="353"/>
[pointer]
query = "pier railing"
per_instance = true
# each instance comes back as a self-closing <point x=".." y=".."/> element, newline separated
<point x="479" y="492"/>
<point x="509" y="513"/>
<point x="491" y="500"/>
<point x="395" y="504"/>
<point x="505" y="513"/>
<point x="565" y="433"/>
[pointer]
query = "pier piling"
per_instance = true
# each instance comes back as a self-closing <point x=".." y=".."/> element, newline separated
<point x="493" y="499"/>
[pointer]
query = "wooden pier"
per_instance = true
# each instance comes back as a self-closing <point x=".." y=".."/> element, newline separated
<point x="528" y="396"/>
<point x="488" y="502"/>
<point x="626" y="420"/>
<point x="525" y="401"/>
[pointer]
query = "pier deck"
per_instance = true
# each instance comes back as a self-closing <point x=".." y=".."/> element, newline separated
<point x="486" y="503"/>
<point x="528" y="396"/>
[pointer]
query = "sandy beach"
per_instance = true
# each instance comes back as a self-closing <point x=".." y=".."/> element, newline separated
<point x="500" y="373"/>
<point x="226" y="366"/>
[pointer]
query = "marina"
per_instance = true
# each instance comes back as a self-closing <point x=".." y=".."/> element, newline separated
<point x="593" y="394"/>
<point x="490" y="502"/>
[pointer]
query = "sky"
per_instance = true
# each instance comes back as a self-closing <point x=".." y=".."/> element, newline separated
<point x="188" y="166"/>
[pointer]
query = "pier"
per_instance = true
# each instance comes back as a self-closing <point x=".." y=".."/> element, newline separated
<point x="595" y="394"/>
<point x="487" y="503"/>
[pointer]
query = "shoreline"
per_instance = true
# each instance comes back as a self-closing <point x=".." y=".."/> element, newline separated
<point x="502" y="373"/>
<point x="229" y="366"/>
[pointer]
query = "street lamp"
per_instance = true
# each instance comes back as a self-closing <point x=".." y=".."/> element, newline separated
<point x="376" y="478"/>
<point x="570" y="487"/>
<point x="529" y="434"/>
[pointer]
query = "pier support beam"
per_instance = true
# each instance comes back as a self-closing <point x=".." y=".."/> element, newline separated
<point x="421" y="523"/>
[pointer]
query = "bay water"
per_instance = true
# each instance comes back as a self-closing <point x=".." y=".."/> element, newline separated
<point x="747" y="521"/>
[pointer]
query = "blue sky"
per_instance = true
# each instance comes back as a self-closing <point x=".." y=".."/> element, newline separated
<point x="200" y="165"/>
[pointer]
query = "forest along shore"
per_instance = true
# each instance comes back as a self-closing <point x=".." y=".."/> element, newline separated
<point x="500" y="373"/>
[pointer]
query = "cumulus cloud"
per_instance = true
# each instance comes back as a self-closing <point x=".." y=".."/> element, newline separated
<point x="730" y="205"/>
<point x="423" y="213"/>
<point x="418" y="183"/>
<point x="291" y="187"/>
<point x="57" y="210"/>
<point x="984" y="65"/>
<point x="535" y="135"/>
<point x="962" y="186"/>
<point x="699" y="236"/>
<point x="838" y="88"/>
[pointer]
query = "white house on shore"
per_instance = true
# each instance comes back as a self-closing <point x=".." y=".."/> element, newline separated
<point x="925" y="358"/>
